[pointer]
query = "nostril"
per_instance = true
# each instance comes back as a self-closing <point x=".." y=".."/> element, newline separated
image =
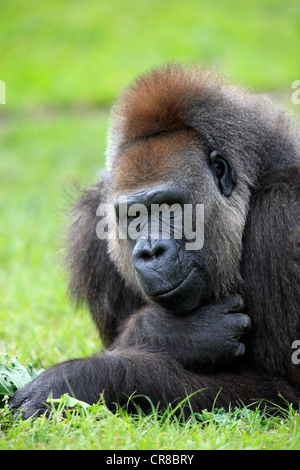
<point x="148" y="252"/>
<point x="145" y="256"/>
<point x="159" y="252"/>
<point x="148" y="255"/>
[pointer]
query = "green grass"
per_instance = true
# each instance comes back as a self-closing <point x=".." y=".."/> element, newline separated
<point x="61" y="62"/>
<point x="41" y="160"/>
<point x="97" y="428"/>
<point x="61" y="51"/>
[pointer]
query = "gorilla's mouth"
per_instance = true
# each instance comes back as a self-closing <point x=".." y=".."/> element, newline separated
<point x="174" y="289"/>
<point x="184" y="297"/>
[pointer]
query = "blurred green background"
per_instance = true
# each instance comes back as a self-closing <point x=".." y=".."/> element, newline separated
<point x="63" y="63"/>
<point x="75" y="51"/>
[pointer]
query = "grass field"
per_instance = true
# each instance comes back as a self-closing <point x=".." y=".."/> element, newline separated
<point x="99" y="429"/>
<point x="63" y="63"/>
<point x="72" y="51"/>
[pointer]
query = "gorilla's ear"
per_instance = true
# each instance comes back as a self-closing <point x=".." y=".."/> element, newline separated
<point x="223" y="172"/>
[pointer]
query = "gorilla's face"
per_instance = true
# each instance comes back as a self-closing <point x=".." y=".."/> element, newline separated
<point x="166" y="224"/>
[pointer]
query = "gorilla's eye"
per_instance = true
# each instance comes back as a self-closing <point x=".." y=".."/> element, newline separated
<point x="223" y="172"/>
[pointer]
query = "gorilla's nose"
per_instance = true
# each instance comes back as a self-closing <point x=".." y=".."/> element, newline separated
<point x="151" y="251"/>
<point x="154" y="262"/>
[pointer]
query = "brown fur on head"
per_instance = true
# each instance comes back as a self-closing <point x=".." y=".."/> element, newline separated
<point x="229" y="118"/>
<point x="157" y="102"/>
<point x="160" y="101"/>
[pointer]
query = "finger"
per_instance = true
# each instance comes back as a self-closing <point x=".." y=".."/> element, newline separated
<point x="237" y="324"/>
<point x="236" y="304"/>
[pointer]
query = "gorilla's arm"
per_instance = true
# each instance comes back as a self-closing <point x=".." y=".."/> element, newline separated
<point x="144" y="375"/>
<point x="154" y="344"/>
<point x="204" y="340"/>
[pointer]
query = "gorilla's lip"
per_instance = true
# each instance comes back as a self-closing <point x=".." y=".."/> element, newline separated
<point x="174" y="290"/>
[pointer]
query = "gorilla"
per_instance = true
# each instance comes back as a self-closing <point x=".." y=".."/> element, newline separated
<point x="208" y="315"/>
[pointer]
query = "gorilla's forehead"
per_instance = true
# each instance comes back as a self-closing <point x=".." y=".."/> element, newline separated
<point x="155" y="159"/>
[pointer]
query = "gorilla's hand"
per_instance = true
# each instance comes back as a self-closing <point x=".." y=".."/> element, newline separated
<point x="77" y="376"/>
<point x="202" y="341"/>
